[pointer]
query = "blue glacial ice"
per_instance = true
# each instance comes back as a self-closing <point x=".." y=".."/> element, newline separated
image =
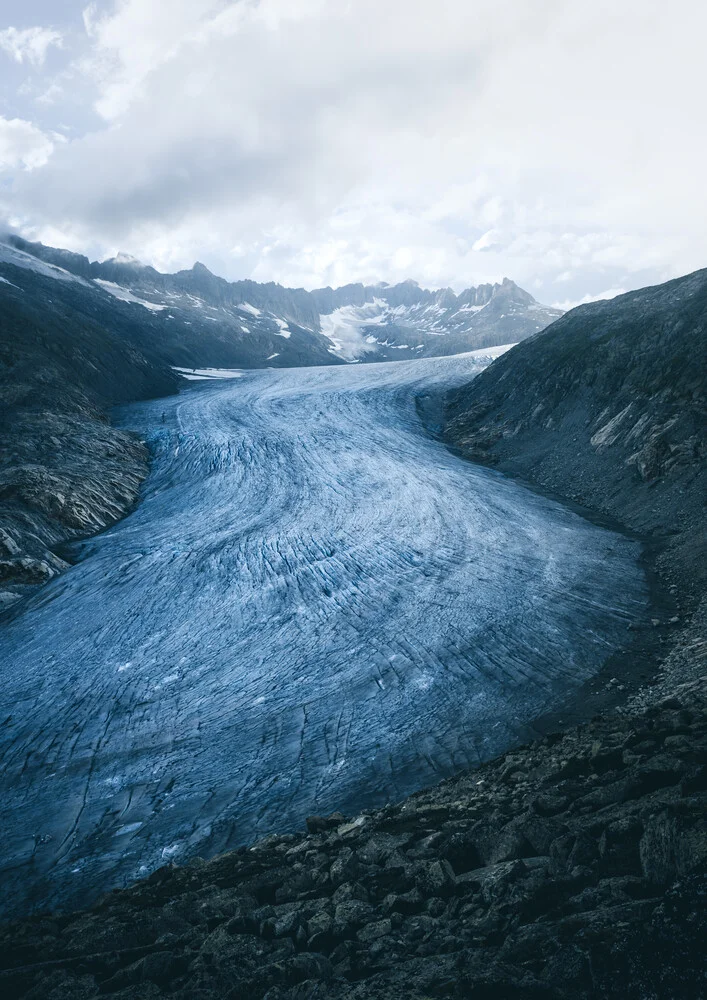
<point x="316" y="606"/>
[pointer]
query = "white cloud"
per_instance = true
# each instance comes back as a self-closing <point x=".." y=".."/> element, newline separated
<point x="556" y="143"/>
<point x="23" y="145"/>
<point x="487" y="241"/>
<point x="568" y="304"/>
<point x="29" y="45"/>
<point x="134" y="41"/>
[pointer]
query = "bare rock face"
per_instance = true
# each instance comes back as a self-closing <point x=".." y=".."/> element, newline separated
<point x="571" y="869"/>
<point x="89" y="484"/>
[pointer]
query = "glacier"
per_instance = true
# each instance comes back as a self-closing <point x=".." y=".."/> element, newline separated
<point x="315" y="606"/>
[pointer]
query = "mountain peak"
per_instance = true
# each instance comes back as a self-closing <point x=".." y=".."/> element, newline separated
<point x="445" y="297"/>
<point x="200" y="268"/>
<point x="125" y="258"/>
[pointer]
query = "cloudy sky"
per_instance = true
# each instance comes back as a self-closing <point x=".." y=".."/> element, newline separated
<point x="313" y="142"/>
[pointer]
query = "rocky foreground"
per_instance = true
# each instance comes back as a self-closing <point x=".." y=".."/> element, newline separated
<point x="572" y="868"/>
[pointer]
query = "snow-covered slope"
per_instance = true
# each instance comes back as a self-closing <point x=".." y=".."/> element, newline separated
<point x="16" y="257"/>
<point x="204" y="320"/>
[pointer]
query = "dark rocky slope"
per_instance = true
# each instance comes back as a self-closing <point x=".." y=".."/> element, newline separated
<point x="183" y="321"/>
<point x="64" y="471"/>
<point x="608" y="407"/>
<point x="573" y="868"/>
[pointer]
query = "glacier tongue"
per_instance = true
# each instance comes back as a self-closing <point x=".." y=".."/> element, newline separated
<point x="315" y="606"/>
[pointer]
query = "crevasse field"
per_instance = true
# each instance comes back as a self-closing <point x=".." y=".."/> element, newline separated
<point x="316" y="606"/>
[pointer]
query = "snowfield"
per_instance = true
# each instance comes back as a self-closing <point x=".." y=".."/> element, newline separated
<point x="118" y="292"/>
<point x="316" y="606"/>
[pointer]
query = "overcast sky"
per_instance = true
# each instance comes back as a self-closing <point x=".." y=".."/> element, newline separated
<point x="559" y="142"/>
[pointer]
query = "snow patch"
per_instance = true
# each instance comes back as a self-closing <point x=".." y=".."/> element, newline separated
<point x="194" y="374"/>
<point x="346" y="327"/>
<point x="118" y="292"/>
<point x="247" y="307"/>
<point x="470" y="309"/>
<point x="128" y="828"/>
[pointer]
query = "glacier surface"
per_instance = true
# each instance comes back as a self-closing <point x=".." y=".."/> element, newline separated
<point x="316" y="606"/>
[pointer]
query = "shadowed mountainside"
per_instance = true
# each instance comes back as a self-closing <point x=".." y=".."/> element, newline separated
<point x="169" y="316"/>
<point x="64" y="471"/>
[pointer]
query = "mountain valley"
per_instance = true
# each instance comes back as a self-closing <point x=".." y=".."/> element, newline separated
<point x="320" y="605"/>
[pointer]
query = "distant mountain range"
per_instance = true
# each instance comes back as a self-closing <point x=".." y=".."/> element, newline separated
<point x="194" y="318"/>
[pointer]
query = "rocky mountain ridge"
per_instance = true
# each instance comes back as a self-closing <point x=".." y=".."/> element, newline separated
<point x="191" y="336"/>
